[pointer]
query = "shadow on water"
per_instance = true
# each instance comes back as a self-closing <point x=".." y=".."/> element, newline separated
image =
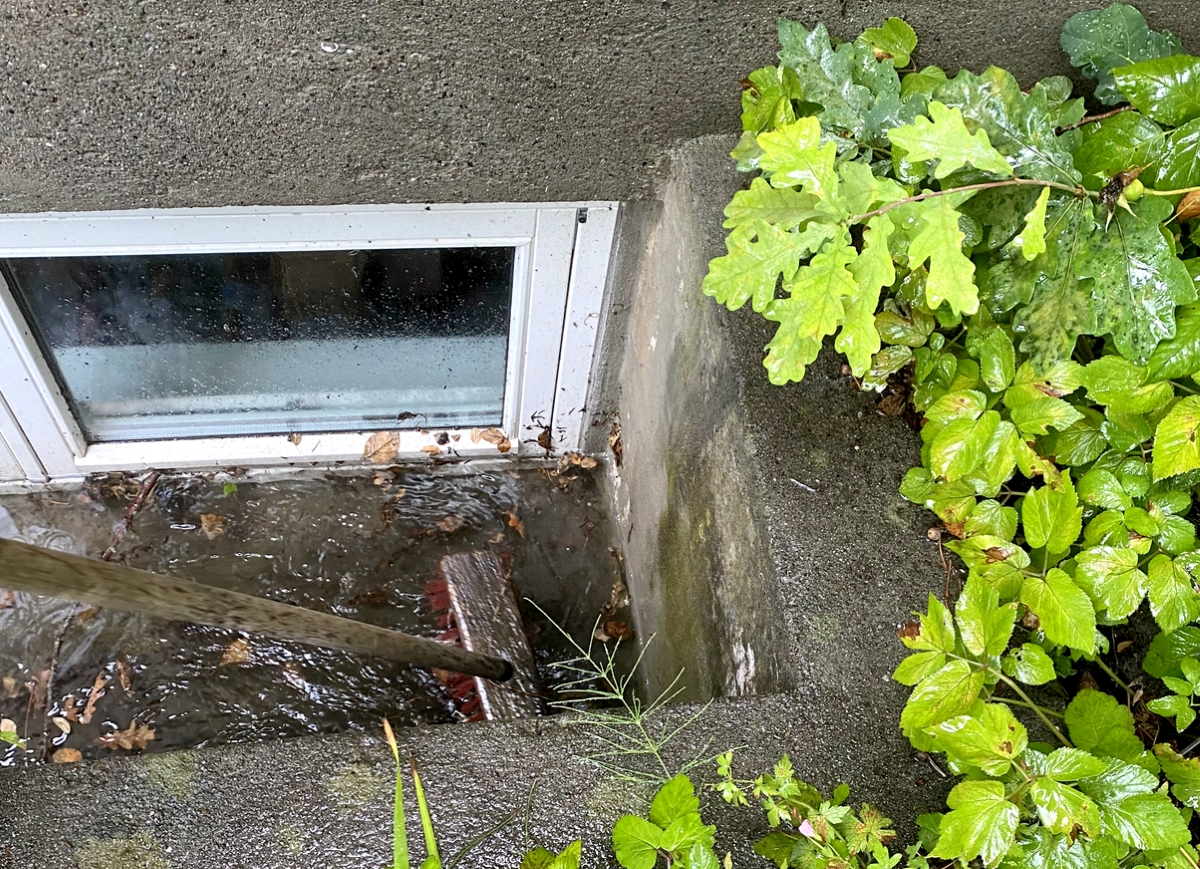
<point x="361" y="546"/>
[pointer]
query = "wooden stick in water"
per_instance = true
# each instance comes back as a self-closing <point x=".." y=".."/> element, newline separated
<point x="85" y="580"/>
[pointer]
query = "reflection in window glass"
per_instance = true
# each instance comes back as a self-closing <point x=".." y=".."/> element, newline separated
<point x="193" y="345"/>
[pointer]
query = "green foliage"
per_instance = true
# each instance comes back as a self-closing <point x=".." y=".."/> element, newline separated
<point x="673" y="831"/>
<point x="971" y="242"/>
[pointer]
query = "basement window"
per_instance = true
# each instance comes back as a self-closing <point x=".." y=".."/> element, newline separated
<point x="259" y="336"/>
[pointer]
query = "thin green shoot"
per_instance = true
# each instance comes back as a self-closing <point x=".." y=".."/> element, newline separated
<point x="399" y="835"/>
<point x="433" y="860"/>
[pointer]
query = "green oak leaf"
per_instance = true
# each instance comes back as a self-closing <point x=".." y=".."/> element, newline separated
<point x="1099" y="40"/>
<point x="940" y="241"/>
<point x="858" y="339"/>
<point x="1053" y="518"/>
<point x="1063" y="609"/>
<point x="1032" y="240"/>
<point x="1136" y="278"/>
<point x="990" y="740"/>
<point x="793" y="155"/>
<point x="1165" y="88"/>
<point x="1118" y="143"/>
<point x="1096" y="722"/>
<point x="767" y="103"/>
<point x="944" y="137"/>
<point x="894" y="40"/>
<point x="981" y="823"/>
<point x="1112" y="578"/>
<point x="1175" y="444"/>
<point x="812" y="310"/>
<point x="784" y="207"/>
<point x="759" y="255"/>
<point x="636" y="842"/>
<point x="1173" y="600"/>
<point x="1030" y="664"/>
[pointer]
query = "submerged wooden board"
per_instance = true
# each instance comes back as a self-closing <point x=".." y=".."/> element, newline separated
<point x="489" y="623"/>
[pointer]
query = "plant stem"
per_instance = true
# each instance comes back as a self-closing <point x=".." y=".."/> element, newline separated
<point x="1091" y="119"/>
<point x="1184" y="387"/>
<point x="1013" y="702"/>
<point x="1150" y="191"/>
<point x="1080" y="192"/>
<point x="1037" y="709"/>
<point x="1108" y="672"/>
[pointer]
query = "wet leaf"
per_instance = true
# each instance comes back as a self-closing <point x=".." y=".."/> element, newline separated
<point x="451" y="523"/>
<point x="1188" y="207"/>
<point x="236" y="653"/>
<point x="894" y="40"/>
<point x="1176" y="450"/>
<point x="135" y="736"/>
<point x="515" y="523"/>
<point x="1100" y="40"/>
<point x="294" y="438"/>
<point x="382" y="447"/>
<point x="9" y="684"/>
<point x="66" y="755"/>
<point x="1179" y="165"/>
<point x="615" y="443"/>
<point x="947" y="140"/>
<point x="98" y="687"/>
<point x="212" y="525"/>
<point x="1166" y="88"/>
<point x="618" y="630"/>
<point x="123" y="675"/>
<point x="496" y="437"/>
<point x="1118" y="143"/>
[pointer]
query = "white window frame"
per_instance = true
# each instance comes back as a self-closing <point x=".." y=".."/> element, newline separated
<point x="561" y="265"/>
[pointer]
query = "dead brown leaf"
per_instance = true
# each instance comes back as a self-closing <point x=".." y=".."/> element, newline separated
<point x="212" y="525"/>
<point x="910" y="631"/>
<point x="892" y="404"/>
<point x="1123" y="645"/>
<point x="135" y="736"/>
<point x="88" y="614"/>
<point x="580" y="460"/>
<point x="382" y="447"/>
<point x="61" y="723"/>
<point x="71" y="707"/>
<point x="236" y="653"/>
<point x="98" y="688"/>
<point x="431" y="449"/>
<point x="294" y="437"/>
<point x="9" y="683"/>
<point x="615" y="444"/>
<point x="497" y="438"/>
<point x="476" y="434"/>
<point x="66" y="755"/>
<point x="123" y="675"/>
<point x="1188" y="207"/>
<point x="958" y="529"/>
<point x="7" y="725"/>
<point x="451" y="523"/>
<point x="7" y="598"/>
<point x="498" y="537"/>
<point x="618" y="630"/>
<point x="515" y="522"/>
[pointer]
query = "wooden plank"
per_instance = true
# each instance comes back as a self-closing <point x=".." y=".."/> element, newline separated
<point x="84" y="580"/>
<point x="489" y="622"/>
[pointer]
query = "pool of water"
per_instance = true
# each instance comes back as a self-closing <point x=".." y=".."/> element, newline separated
<point x="362" y="546"/>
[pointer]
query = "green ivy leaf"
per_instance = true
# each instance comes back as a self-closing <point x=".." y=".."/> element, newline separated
<point x="1175" y="447"/>
<point x="1100" y="40"/>
<point x="1112" y="576"/>
<point x="990" y="740"/>
<point x="1166" y="88"/>
<point x="1063" y="609"/>
<point x="813" y="310"/>
<point x="939" y="240"/>
<point x="759" y="255"/>
<point x="946" y="694"/>
<point x="636" y="842"/>
<point x="1030" y="664"/>
<point x="1173" y="600"/>
<point x="1032" y="240"/>
<point x="981" y="823"/>
<point x="894" y="40"/>
<point x="1052" y="518"/>
<point x="1096" y="722"/>
<point x="944" y="137"/>
<point x="674" y="800"/>
<point x="1137" y="279"/>
<point x="784" y="207"/>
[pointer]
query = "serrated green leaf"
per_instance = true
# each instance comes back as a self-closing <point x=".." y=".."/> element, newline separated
<point x="1043" y="413"/>
<point x="1136" y="279"/>
<point x="1179" y="164"/>
<point x="983" y="625"/>
<point x="1032" y="240"/>
<point x="894" y="40"/>
<point x="1182" y="772"/>
<point x="917" y="666"/>
<point x="967" y="403"/>
<point x="1173" y="600"/>
<point x="538" y="858"/>
<point x="1124" y="141"/>
<point x="782" y="206"/>
<point x="1100" y="40"/>
<point x="946" y="694"/>
<point x="1118" y="384"/>
<point x="1175" y="448"/>
<point x="759" y="255"/>
<point x="1080" y="443"/>
<point x="699" y="857"/>
<point x="992" y="519"/>
<point x="1165" y="88"/>
<point x="1068" y="764"/>
<point x="939" y="241"/>
<point x="1168" y="649"/>
<point x="1174" y="706"/>
<point x="812" y="311"/>
<point x="1052" y="518"/>
<point x="767" y="103"/>
<point x="1018" y="125"/>
<point x="1063" y="809"/>
<point x="794" y="156"/>
<point x="1118" y="782"/>
<point x="636" y="842"/>
<point x="1096" y="722"/>
<point x="1112" y="578"/>
<point x="1177" y="536"/>
<point x="997" y="360"/>
<point x="959" y="447"/>
<point x="1125" y="431"/>
<point x="998" y="463"/>
<point x="944" y="137"/>
<point x="1145" y="821"/>
<point x="884" y="364"/>
<point x="1030" y="664"/>
<point x="1101" y="488"/>
<point x="674" y="799"/>
<point x="1063" y="609"/>
<point x="872" y="269"/>
<point x="981" y="823"/>
<point x="686" y="831"/>
<point x="989" y="740"/>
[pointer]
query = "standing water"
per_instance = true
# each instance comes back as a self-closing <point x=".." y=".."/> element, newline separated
<point x="359" y="546"/>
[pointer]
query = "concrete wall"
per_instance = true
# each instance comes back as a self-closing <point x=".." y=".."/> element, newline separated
<point x="130" y="103"/>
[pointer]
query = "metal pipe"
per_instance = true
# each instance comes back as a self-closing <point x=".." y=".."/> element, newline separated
<point x="84" y="580"/>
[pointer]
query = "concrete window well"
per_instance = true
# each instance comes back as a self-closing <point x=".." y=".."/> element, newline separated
<point x="354" y="365"/>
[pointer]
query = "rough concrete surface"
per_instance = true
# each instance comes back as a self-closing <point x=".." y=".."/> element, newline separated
<point x="136" y="103"/>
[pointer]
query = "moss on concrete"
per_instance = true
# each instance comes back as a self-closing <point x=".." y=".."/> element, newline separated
<point x="141" y="851"/>
<point x="174" y="772"/>
<point x="356" y="785"/>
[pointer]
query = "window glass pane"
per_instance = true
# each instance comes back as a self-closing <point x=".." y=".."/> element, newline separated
<point x="193" y="345"/>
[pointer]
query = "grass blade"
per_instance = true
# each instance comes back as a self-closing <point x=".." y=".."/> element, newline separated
<point x="399" y="835"/>
<point x="433" y="859"/>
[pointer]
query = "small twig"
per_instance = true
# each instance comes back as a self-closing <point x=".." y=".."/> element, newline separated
<point x="800" y="485"/>
<point x="1080" y="193"/>
<point x="126" y="523"/>
<point x="1091" y="119"/>
<point x="49" y="699"/>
